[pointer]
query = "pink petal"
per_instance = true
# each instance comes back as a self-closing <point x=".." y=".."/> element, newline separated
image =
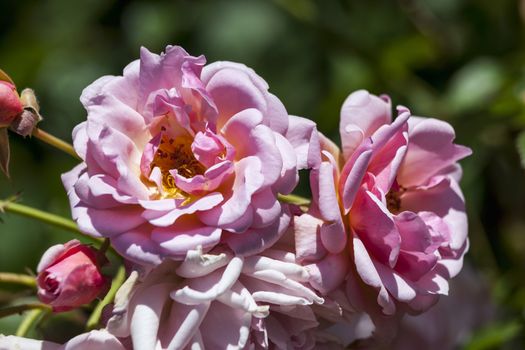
<point x="94" y="340"/>
<point x="197" y="264"/>
<point x="276" y="116"/>
<point x="136" y="245"/>
<point x="255" y="265"/>
<point x="107" y="222"/>
<point x="329" y="273"/>
<point x="147" y="312"/>
<point x="166" y="219"/>
<point x="330" y="151"/>
<point x="184" y="322"/>
<point x="387" y="160"/>
<point x="233" y="91"/>
<point x="324" y="193"/>
<point x="307" y="239"/>
<point x="396" y="285"/>
<point x="210" y="181"/>
<point x="100" y="191"/>
<point x="375" y="226"/>
<point x="254" y="241"/>
<point x="452" y="266"/>
<point x="235" y="213"/>
<point x="12" y="342"/>
<point x="238" y="297"/>
<point x="165" y="71"/>
<point x="210" y="287"/>
<point x="118" y="157"/>
<point x="123" y="88"/>
<point x="415" y="235"/>
<point x="367" y="270"/>
<point x="289" y="176"/>
<point x="176" y="240"/>
<point x="106" y="108"/>
<point x="50" y="256"/>
<point x="353" y="173"/>
<point x="361" y="115"/>
<point x="413" y="265"/>
<point x="386" y="132"/>
<point x="302" y="134"/>
<point x="446" y="201"/>
<point x="241" y="124"/>
<point x="430" y="150"/>
<point x="232" y="334"/>
<point x="266" y="207"/>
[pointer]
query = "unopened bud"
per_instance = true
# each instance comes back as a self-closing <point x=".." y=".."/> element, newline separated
<point x="69" y="276"/>
<point x="10" y="103"/>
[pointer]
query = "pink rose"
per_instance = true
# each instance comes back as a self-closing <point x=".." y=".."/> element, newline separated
<point x="218" y="301"/>
<point x="69" y="276"/>
<point x="390" y="199"/>
<point x="10" y="104"/>
<point x="94" y="340"/>
<point x="472" y="308"/>
<point x="179" y="155"/>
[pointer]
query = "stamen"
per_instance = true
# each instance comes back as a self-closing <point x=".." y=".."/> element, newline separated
<point x="176" y="154"/>
<point x="393" y="199"/>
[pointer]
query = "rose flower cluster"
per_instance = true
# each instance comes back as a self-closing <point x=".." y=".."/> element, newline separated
<point x="189" y="170"/>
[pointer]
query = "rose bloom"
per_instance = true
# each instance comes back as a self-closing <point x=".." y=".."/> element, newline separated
<point x="69" y="276"/>
<point x="178" y="155"/>
<point x="218" y="301"/>
<point x="472" y="308"/>
<point x="94" y="340"/>
<point x="391" y="201"/>
<point x="10" y="104"/>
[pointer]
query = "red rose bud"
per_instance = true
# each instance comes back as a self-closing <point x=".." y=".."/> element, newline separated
<point x="69" y="276"/>
<point x="10" y="104"/>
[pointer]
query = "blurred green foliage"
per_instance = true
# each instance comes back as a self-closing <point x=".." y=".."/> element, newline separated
<point x="458" y="60"/>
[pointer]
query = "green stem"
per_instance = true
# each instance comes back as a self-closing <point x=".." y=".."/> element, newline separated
<point x="293" y="199"/>
<point x="104" y="247"/>
<point x="8" y="277"/>
<point x="18" y="309"/>
<point x="94" y="319"/>
<point x="30" y="320"/>
<point x="55" y="142"/>
<point x="46" y="217"/>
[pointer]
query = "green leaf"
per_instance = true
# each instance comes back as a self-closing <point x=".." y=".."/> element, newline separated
<point x="474" y="85"/>
<point x="494" y="336"/>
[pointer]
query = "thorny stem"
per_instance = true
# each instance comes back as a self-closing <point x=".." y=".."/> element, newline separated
<point x="18" y="309"/>
<point x="17" y="208"/>
<point x="8" y="277"/>
<point x="55" y="142"/>
<point x="52" y="219"/>
<point x="94" y="319"/>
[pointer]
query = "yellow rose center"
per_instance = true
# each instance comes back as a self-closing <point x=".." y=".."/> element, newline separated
<point x="176" y="154"/>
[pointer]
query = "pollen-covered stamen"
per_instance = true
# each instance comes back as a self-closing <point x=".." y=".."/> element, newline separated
<point x="175" y="154"/>
<point x="393" y="199"/>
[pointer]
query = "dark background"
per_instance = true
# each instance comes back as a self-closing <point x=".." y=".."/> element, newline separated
<point x="458" y="60"/>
